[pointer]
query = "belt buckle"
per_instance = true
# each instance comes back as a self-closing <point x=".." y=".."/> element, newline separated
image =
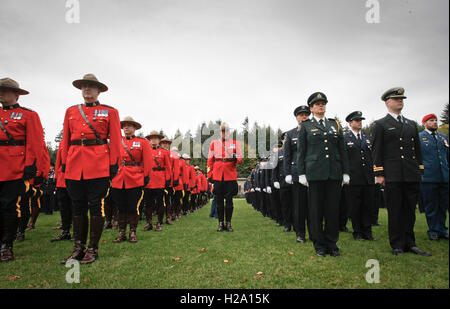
<point x="122" y="163"/>
<point x="82" y="142"/>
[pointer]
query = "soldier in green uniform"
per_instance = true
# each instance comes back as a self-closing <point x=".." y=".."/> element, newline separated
<point x="323" y="166"/>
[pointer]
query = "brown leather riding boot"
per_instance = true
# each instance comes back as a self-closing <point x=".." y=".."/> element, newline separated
<point x="148" y="217"/>
<point x="158" y="227"/>
<point x="95" y="233"/>
<point x="34" y="216"/>
<point x="79" y="245"/>
<point x="122" y="229"/>
<point x="133" y="227"/>
<point x="10" y="223"/>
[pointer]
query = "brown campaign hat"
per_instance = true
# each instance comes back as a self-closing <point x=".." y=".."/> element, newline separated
<point x="154" y="133"/>
<point x="131" y="121"/>
<point x="166" y="140"/>
<point x="10" y="84"/>
<point x="90" y="79"/>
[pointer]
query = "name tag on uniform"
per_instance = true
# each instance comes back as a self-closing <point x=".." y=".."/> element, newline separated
<point x="424" y="139"/>
<point x="136" y="144"/>
<point x="101" y="113"/>
<point x="294" y="139"/>
<point x="16" y="116"/>
<point x="314" y="130"/>
<point x="350" y="143"/>
<point x="368" y="141"/>
<point x="393" y="128"/>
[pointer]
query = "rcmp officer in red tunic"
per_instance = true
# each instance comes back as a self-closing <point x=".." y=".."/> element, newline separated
<point x="63" y="200"/>
<point x="175" y="174"/>
<point x="189" y="182"/>
<point x="21" y="138"/>
<point x="160" y="179"/>
<point x="223" y="157"/>
<point x="89" y="162"/>
<point x="127" y="188"/>
<point x="179" y="192"/>
<point x="398" y="166"/>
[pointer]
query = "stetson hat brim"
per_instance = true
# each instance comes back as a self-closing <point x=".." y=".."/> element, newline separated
<point x="89" y="79"/>
<point x="135" y="124"/>
<point x="160" y="136"/>
<point x="12" y="85"/>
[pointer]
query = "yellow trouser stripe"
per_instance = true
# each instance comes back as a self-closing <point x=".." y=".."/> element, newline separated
<point x="39" y="199"/>
<point x="27" y="186"/>
<point x="139" y="203"/>
<point x="103" y="202"/>
<point x="29" y="204"/>
<point x="19" y="214"/>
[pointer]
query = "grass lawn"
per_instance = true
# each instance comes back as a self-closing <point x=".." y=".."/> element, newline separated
<point x="256" y="245"/>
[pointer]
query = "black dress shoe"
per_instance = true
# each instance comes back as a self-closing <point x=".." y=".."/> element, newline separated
<point x="301" y="239"/>
<point x="344" y="229"/>
<point x="397" y="252"/>
<point x="335" y="253"/>
<point x="433" y="237"/>
<point x="417" y="251"/>
<point x="359" y="237"/>
<point x="287" y="229"/>
<point x="370" y="238"/>
<point x="320" y="253"/>
<point x="444" y="236"/>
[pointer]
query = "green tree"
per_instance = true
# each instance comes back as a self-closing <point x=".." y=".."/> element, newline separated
<point x="444" y="114"/>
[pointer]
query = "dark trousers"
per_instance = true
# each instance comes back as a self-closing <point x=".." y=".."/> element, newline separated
<point x="186" y="201"/>
<point x="224" y="192"/>
<point x="379" y="202"/>
<point x="128" y="200"/>
<point x="154" y="202"/>
<point x="286" y="205"/>
<point x="435" y="200"/>
<point x="344" y="207"/>
<point x="276" y="204"/>
<point x="362" y="200"/>
<point x="176" y="202"/>
<point x="65" y="208"/>
<point x="324" y="199"/>
<point x="10" y="196"/>
<point x="300" y="209"/>
<point x="25" y="210"/>
<point x="89" y="195"/>
<point x="401" y="200"/>
<point x="213" y="212"/>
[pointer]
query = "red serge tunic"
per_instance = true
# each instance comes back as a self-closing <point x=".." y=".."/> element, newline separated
<point x="220" y="166"/>
<point x="183" y="178"/>
<point x="161" y="169"/>
<point x="59" y="175"/>
<point x="89" y="162"/>
<point x="24" y="125"/>
<point x="131" y="173"/>
<point x="175" y="162"/>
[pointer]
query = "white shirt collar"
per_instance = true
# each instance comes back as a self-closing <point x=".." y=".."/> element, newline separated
<point x="430" y="132"/>
<point x="318" y="119"/>
<point x="356" y="133"/>
<point x="395" y="116"/>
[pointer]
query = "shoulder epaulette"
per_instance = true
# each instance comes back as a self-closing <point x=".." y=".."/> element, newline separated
<point x="107" y="106"/>
<point x="27" y="109"/>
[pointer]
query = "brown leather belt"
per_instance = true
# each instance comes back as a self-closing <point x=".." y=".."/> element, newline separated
<point x="12" y="143"/>
<point x="130" y="163"/>
<point x="226" y="160"/>
<point x="88" y="142"/>
<point x="158" y="169"/>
